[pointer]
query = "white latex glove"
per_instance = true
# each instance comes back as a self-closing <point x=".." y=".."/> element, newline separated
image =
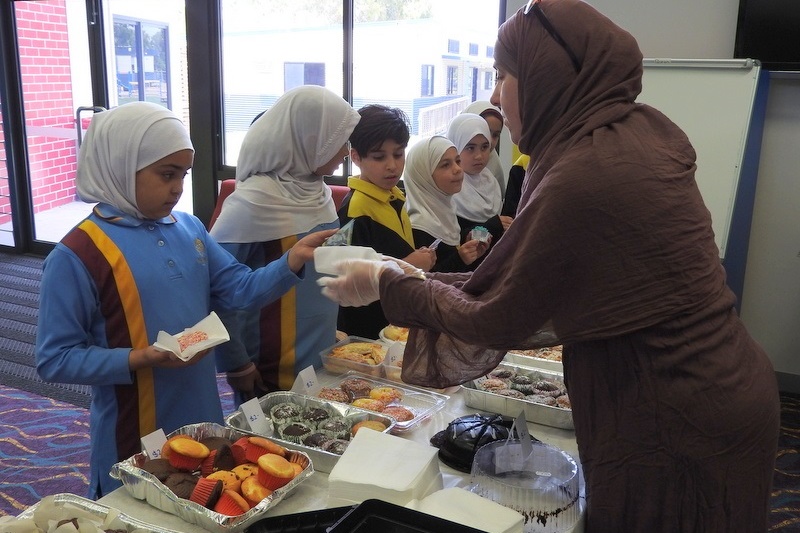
<point x="357" y="283"/>
<point x="408" y="268"/>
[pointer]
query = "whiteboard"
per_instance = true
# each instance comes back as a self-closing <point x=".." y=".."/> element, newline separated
<point x="712" y="101"/>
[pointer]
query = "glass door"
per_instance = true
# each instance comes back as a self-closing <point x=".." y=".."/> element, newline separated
<point x="56" y="42"/>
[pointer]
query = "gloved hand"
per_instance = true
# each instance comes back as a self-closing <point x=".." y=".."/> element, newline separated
<point x="247" y="381"/>
<point x="357" y="282"/>
<point x="408" y="268"/>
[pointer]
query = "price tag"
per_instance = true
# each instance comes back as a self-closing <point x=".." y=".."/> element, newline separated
<point x="395" y="353"/>
<point x="255" y="417"/>
<point x="152" y="443"/>
<point x="306" y="382"/>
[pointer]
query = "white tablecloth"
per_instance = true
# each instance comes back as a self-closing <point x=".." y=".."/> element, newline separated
<point x="312" y="494"/>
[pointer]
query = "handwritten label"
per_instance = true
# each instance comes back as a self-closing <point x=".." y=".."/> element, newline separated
<point x="394" y="354"/>
<point x="255" y="417"/>
<point x="153" y="442"/>
<point x="306" y="382"/>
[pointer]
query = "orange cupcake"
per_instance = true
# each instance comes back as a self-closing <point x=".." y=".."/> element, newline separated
<point x="206" y="492"/>
<point x="258" y="446"/>
<point x="274" y="471"/>
<point x="187" y="454"/>
<point x="369" y="403"/>
<point x="369" y="424"/>
<point x="297" y="467"/>
<point x="253" y="491"/>
<point x="166" y="450"/>
<point x="231" y="480"/>
<point x="231" y="504"/>
<point x="245" y="470"/>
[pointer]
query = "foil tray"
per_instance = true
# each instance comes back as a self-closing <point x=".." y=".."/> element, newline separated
<point x="144" y="486"/>
<point x="516" y="358"/>
<point x="96" y="509"/>
<point x="534" y="412"/>
<point x="324" y="461"/>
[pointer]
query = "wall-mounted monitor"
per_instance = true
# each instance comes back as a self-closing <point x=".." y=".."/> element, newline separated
<point x="769" y="30"/>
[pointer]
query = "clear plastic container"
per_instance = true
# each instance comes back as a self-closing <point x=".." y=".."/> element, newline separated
<point x="544" y="486"/>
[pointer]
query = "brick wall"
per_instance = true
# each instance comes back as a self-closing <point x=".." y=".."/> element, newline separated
<point x="47" y="95"/>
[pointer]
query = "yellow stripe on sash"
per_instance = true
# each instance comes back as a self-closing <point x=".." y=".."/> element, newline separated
<point x="132" y="306"/>
<point x="288" y="301"/>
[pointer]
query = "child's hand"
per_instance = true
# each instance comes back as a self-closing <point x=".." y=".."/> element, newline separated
<point x="470" y="251"/>
<point x="152" y="356"/>
<point x="423" y="258"/>
<point x="506" y="222"/>
<point x="303" y="250"/>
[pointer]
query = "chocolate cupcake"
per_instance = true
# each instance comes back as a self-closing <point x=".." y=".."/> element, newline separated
<point x="295" y="431"/>
<point x="511" y="393"/>
<point x="522" y="383"/>
<point x="543" y="399"/>
<point x="337" y="446"/>
<point x="315" y="415"/>
<point x="284" y="412"/>
<point x="316" y="440"/>
<point x="356" y="387"/>
<point x="337" y="427"/>
<point x="502" y="373"/>
<point x="160" y="468"/>
<point x="181" y="484"/>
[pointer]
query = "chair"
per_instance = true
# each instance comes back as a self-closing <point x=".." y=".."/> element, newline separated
<point x="227" y="187"/>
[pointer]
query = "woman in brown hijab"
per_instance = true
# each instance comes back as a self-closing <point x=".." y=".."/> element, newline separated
<point x="675" y="406"/>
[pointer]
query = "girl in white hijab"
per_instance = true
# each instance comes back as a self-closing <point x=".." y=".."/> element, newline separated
<point x="432" y="176"/>
<point x="480" y="201"/>
<point x="280" y="196"/>
<point x="494" y="119"/>
<point x="135" y="267"/>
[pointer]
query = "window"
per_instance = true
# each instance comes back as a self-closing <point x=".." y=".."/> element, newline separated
<point x="141" y="61"/>
<point x="427" y="81"/>
<point x="297" y="74"/>
<point x="490" y="51"/>
<point x="473" y="49"/>
<point x="452" y="80"/>
<point x="453" y="46"/>
<point x="488" y="78"/>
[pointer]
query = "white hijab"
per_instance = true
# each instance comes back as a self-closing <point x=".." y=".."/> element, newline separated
<point x="483" y="108"/>
<point x="429" y="208"/>
<point x="121" y="142"/>
<point x="480" y="198"/>
<point x="277" y="193"/>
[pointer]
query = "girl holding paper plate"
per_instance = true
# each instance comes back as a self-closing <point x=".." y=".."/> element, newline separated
<point x="135" y="267"/>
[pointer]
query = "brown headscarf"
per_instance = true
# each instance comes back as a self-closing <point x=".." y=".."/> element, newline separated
<point x="611" y="235"/>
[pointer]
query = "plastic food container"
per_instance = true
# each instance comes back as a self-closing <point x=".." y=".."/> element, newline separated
<point x="144" y="486"/>
<point x="324" y="461"/>
<point x="423" y="403"/>
<point x="539" y="413"/>
<point x="543" y="486"/>
<point x="337" y="365"/>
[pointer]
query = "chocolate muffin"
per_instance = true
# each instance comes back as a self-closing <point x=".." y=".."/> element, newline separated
<point x="160" y="468"/>
<point x="181" y="484"/>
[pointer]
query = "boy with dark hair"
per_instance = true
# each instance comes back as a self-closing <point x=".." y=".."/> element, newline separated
<point x="376" y="205"/>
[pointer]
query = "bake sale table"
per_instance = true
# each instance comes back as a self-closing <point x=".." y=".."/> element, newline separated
<point x="312" y="494"/>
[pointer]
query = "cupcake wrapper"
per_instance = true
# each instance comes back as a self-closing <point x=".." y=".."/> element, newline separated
<point x="207" y="465"/>
<point x="183" y="462"/>
<point x="228" y="506"/>
<point x="272" y="482"/>
<point x="206" y="492"/>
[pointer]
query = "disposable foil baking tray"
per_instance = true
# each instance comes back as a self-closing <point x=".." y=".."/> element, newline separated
<point x="324" y="461"/>
<point x="144" y="486"/>
<point x="103" y="513"/>
<point x="534" y="412"/>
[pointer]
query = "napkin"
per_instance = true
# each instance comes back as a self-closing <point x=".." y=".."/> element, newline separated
<point x="325" y="257"/>
<point x="467" y="508"/>
<point x="386" y="467"/>
<point x="211" y="328"/>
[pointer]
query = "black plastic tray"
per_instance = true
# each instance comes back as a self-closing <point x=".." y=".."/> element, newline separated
<point x="377" y="515"/>
<point x="308" y="522"/>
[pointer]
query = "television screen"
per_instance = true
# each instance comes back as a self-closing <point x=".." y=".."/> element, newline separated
<point x="769" y="30"/>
